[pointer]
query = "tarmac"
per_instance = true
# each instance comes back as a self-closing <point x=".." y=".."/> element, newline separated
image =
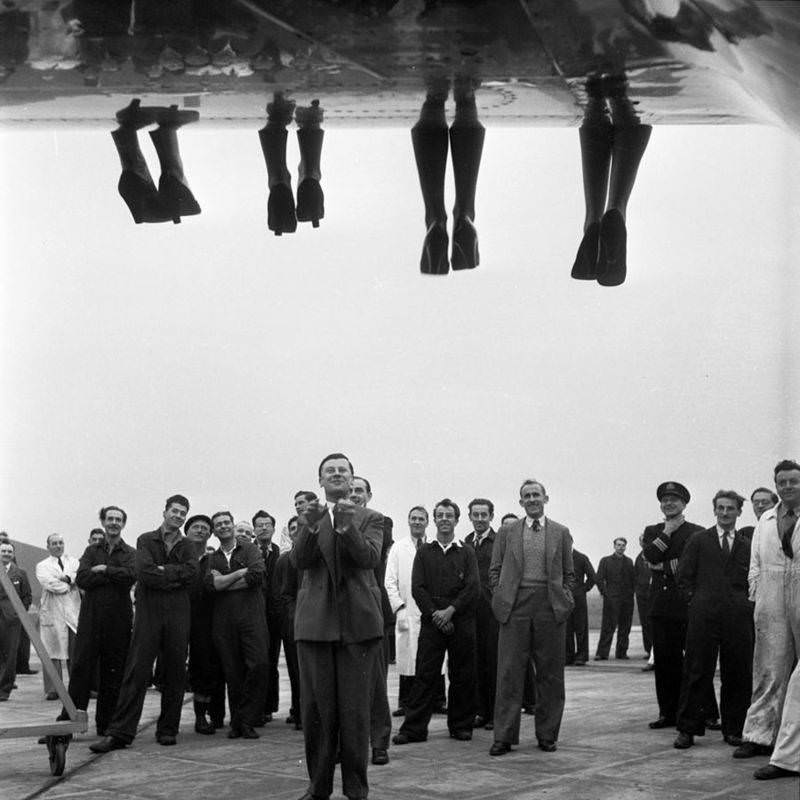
<point x="605" y="750"/>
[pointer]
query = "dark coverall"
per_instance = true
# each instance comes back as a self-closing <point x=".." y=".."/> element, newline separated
<point x="104" y="628"/>
<point x="578" y="622"/>
<point x="285" y="581"/>
<point x="240" y="633"/>
<point x="205" y="668"/>
<point x="160" y="629"/>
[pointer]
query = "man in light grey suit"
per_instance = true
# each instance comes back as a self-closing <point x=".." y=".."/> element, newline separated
<point x="531" y="576"/>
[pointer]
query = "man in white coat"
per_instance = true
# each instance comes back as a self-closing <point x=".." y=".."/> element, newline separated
<point x="59" y="607"/>
<point x="398" y="587"/>
<point x="773" y="719"/>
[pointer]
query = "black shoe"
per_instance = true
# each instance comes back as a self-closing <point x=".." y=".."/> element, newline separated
<point x="771" y="771"/>
<point x="547" y="745"/>
<point x="601" y="658"/>
<point x="379" y="756"/>
<point x="733" y="741"/>
<point x="218" y="722"/>
<point x="400" y="712"/>
<point x="662" y="722"/>
<point x="713" y="724"/>
<point x="751" y="750"/>
<point x="166" y="740"/>
<point x="50" y="696"/>
<point x="648" y="668"/>
<point x="579" y="663"/>
<point x="107" y="745"/>
<point x="249" y="732"/>
<point x="683" y="741"/>
<point x="499" y="749"/>
<point x="461" y="736"/>
<point x="203" y="726"/>
<point x="479" y="721"/>
<point x="623" y="657"/>
<point x="611" y="261"/>
<point x="489" y="726"/>
<point x="404" y="738"/>
<point x="235" y="732"/>
<point x="27" y="672"/>
<point x="291" y="719"/>
<point x="585" y="266"/>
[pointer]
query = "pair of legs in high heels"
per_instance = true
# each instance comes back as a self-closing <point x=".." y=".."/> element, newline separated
<point x="612" y="147"/>
<point x="282" y="214"/>
<point x="173" y="198"/>
<point x="430" y="139"/>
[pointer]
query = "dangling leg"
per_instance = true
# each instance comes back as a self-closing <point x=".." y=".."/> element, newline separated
<point x="310" y="198"/>
<point x="630" y="142"/>
<point x="135" y="183"/>
<point x="281" y="217"/>
<point x="429" y="138"/>
<point x="596" y="136"/>
<point x="172" y="185"/>
<point x="466" y="147"/>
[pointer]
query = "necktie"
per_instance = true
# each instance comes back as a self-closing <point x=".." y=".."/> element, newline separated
<point x="787" y="528"/>
<point x="536" y="525"/>
<point x="60" y="564"/>
<point x="726" y="548"/>
<point x="418" y="544"/>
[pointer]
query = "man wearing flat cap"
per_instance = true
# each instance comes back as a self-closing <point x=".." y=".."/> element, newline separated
<point x="662" y="546"/>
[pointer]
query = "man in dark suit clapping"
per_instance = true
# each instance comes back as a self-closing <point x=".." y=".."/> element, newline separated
<point x="338" y="628"/>
<point x="713" y="576"/>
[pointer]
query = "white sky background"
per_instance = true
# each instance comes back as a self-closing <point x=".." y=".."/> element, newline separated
<point x="217" y="360"/>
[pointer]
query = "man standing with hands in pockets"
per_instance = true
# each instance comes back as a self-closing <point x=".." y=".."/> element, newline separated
<point x="338" y="629"/>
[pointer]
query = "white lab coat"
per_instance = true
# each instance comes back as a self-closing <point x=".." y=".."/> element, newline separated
<point x="398" y="586"/>
<point x="774" y="713"/>
<point x="59" y="606"/>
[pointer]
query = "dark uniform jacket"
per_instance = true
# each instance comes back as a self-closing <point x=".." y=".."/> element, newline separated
<point x="107" y="592"/>
<point x="180" y="566"/>
<point x="339" y="599"/>
<point x="585" y="578"/>
<point x="708" y="580"/>
<point x="666" y="599"/>
<point x="440" y="579"/>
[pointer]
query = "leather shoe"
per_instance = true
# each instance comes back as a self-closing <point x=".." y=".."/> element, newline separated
<point x="235" y="732"/>
<point x="713" y="724"/>
<point x="51" y="696"/>
<point x="489" y="726"/>
<point x="579" y="663"/>
<point x="683" y="741"/>
<point x="461" y="736"/>
<point x="499" y="749"/>
<point x="479" y="721"/>
<point x="662" y="722"/>
<point x="399" y="712"/>
<point x="249" y="732"/>
<point x="379" y="756"/>
<point x="27" y="672"/>
<point x="547" y="745"/>
<point x="601" y="658"/>
<point x="751" y="750"/>
<point x="771" y="771"/>
<point x="107" y="745"/>
<point x="166" y="740"/>
<point x="623" y="657"/>
<point x="733" y="741"/>
<point x="404" y="738"/>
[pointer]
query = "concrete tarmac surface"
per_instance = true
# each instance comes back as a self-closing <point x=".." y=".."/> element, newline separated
<point x="605" y="750"/>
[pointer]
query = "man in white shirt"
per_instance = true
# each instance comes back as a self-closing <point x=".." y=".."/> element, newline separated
<point x="59" y="607"/>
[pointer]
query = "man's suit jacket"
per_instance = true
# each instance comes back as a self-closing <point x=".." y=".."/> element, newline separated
<point x="19" y="580"/>
<point x="339" y="599"/>
<point x="505" y="571"/>
<point x="708" y="580"/>
<point x="666" y="599"/>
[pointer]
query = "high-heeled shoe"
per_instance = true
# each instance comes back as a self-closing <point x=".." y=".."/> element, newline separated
<point x="310" y="201"/>
<point x="173" y="188"/>
<point x="585" y="266"/>
<point x="434" y="250"/>
<point x="142" y="198"/>
<point x="281" y="216"/>
<point x="310" y="197"/>
<point x="611" y="261"/>
<point x="465" y="253"/>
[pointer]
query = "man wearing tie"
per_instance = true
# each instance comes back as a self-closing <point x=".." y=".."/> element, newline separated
<point x="713" y="577"/>
<point x="338" y="628"/>
<point x="774" y="714"/>
<point x="531" y="575"/>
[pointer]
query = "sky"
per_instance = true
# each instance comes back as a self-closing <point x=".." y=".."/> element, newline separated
<point x="214" y="359"/>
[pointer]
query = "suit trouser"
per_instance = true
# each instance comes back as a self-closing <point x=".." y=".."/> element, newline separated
<point x="487" y="631"/>
<point x="293" y="668"/>
<point x="617" y="615"/>
<point x="160" y="630"/>
<point x="335" y="712"/>
<point x="24" y="651"/>
<point x="578" y="629"/>
<point x="669" y="637"/>
<point x="431" y="649"/>
<point x="643" y="608"/>
<point x="102" y="641"/>
<point x="272" y="697"/>
<point x="49" y="686"/>
<point x="241" y="642"/>
<point x="724" y="632"/>
<point x="380" y="715"/>
<point x="9" y="642"/>
<point x="406" y="684"/>
<point x="531" y="627"/>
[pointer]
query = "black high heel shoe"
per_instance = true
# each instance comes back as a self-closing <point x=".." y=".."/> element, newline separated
<point x="434" y="250"/>
<point x="310" y="201"/>
<point x="585" y="266"/>
<point x="173" y="188"/>
<point x="281" y="217"/>
<point x="142" y="198"/>
<point x="611" y="262"/>
<point x="465" y="245"/>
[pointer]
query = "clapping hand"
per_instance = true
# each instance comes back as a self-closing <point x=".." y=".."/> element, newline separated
<point x="314" y="512"/>
<point x="343" y="514"/>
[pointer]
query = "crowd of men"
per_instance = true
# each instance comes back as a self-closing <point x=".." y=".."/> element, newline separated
<point x="506" y="607"/>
